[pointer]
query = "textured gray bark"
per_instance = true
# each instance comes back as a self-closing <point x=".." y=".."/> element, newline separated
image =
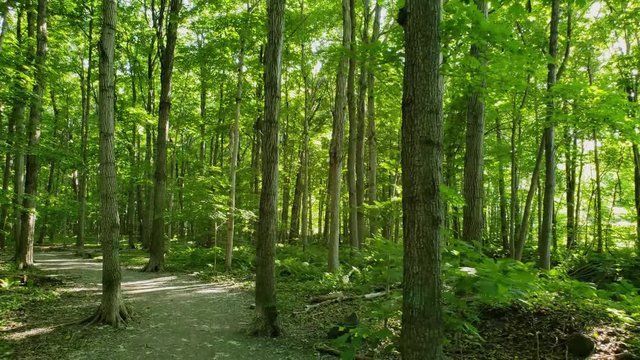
<point x="24" y="255"/>
<point x="422" y="137"/>
<point x="337" y="141"/>
<point x="473" y="191"/>
<point x="111" y="310"/>
<point x="267" y="322"/>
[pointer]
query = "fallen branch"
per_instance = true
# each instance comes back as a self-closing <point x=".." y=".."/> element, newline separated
<point x="323" y="298"/>
<point x="341" y="298"/>
<point x="324" y="349"/>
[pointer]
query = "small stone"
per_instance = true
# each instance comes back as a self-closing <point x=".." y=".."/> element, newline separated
<point x="580" y="345"/>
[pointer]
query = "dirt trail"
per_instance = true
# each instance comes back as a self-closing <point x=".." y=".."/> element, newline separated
<point x="176" y="317"/>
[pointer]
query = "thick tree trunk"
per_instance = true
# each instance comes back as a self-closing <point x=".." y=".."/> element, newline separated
<point x="112" y="310"/>
<point x="545" y="239"/>
<point x="24" y="255"/>
<point x="267" y="322"/>
<point x="337" y="141"/>
<point x="473" y="220"/>
<point x="422" y="137"/>
<point x="234" y="140"/>
<point x="157" y="248"/>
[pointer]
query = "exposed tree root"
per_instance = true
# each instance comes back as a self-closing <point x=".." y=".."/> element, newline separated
<point x="153" y="266"/>
<point x="102" y="316"/>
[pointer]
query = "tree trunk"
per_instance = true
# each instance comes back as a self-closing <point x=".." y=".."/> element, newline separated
<point x="234" y="140"/>
<point x="598" y="204"/>
<point x="294" y="229"/>
<point x="84" y="136"/>
<point x="504" y="226"/>
<point x="17" y="115"/>
<point x="422" y="137"/>
<point x="157" y="248"/>
<point x="372" y="172"/>
<point x="473" y="221"/>
<point x="112" y="310"/>
<point x="337" y="141"/>
<point x="353" y="134"/>
<point x="571" y="147"/>
<point x="267" y="322"/>
<point x="523" y="228"/>
<point x="24" y="255"/>
<point x="545" y="238"/>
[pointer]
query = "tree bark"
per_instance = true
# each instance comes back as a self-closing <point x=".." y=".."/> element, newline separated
<point x="353" y="133"/>
<point x="372" y="173"/>
<point x="112" y="310"/>
<point x="570" y="171"/>
<point x="523" y="228"/>
<point x="422" y="137"/>
<point x="337" y="141"/>
<point x="24" y="255"/>
<point x="267" y="322"/>
<point x="545" y="239"/>
<point x="473" y="219"/>
<point x="598" y="200"/>
<point x="504" y="225"/>
<point x="234" y="140"/>
<point x="157" y="248"/>
<point x="84" y="136"/>
<point x="17" y="115"/>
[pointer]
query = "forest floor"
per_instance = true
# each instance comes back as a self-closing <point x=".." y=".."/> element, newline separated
<point x="176" y="316"/>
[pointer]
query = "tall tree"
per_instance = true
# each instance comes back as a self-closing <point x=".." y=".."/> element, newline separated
<point x="267" y="322"/>
<point x="157" y="248"/>
<point x="353" y="132"/>
<point x="112" y="310"/>
<point x="337" y="140"/>
<point x="24" y="250"/>
<point x="234" y="143"/>
<point x="473" y="220"/>
<point x="85" y="84"/>
<point x="422" y="136"/>
<point x="372" y="173"/>
<point x="544" y="246"/>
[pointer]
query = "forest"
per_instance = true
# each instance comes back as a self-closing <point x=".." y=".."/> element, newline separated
<point x="350" y="179"/>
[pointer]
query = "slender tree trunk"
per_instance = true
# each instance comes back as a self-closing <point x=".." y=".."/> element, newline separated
<point x="337" y="141"/>
<point x="52" y="172"/>
<point x="304" y="165"/>
<point x="523" y="228"/>
<point x="84" y="137"/>
<point x="372" y="146"/>
<point x="267" y="322"/>
<point x="17" y="115"/>
<point x="579" y="192"/>
<point x="294" y="229"/>
<point x="545" y="241"/>
<point x="112" y="310"/>
<point x="361" y="116"/>
<point x="636" y="181"/>
<point x="473" y="221"/>
<point x="504" y="225"/>
<point x="24" y="255"/>
<point x="353" y="134"/>
<point x="157" y="248"/>
<point x="571" y="147"/>
<point x="234" y="140"/>
<point x="422" y="137"/>
<point x="598" y="200"/>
